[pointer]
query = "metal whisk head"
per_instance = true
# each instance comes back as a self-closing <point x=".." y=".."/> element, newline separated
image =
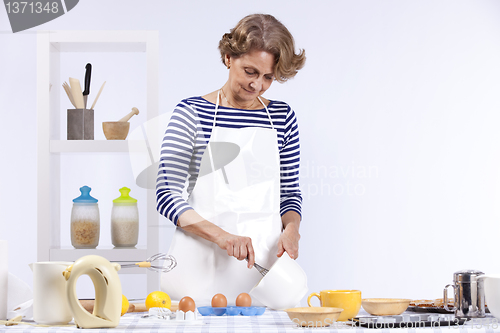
<point x="162" y="262"/>
<point x="261" y="269"/>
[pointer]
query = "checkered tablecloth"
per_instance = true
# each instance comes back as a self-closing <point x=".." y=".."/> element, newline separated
<point x="270" y="321"/>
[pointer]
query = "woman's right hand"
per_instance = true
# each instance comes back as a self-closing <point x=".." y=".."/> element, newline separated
<point x="237" y="246"/>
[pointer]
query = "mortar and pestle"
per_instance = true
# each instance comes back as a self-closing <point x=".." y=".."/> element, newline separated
<point x="118" y="130"/>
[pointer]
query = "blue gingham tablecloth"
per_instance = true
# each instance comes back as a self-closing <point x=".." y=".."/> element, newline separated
<point x="270" y="321"/>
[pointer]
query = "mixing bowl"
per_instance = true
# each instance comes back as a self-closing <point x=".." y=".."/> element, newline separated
<point x="313" y="316"/>
<point x="283" y="286"/>
<point x="385" y="306"/>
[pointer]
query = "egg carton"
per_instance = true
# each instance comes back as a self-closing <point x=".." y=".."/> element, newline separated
<point x="231" y="310"/>
<point x="166" y="314"/>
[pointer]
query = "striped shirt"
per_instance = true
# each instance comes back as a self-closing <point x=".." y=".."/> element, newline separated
<point x="187" y="136"/>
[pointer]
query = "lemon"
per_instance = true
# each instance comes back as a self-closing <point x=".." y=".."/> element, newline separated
<point x="158" y="299"/>
<point x="125" y="305"/>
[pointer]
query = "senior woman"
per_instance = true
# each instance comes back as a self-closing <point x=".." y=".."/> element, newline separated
<point x="238" y="155"/>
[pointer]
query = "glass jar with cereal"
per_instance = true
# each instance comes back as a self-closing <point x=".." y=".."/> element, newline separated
<point x="85" y="222"/>
<point x="124" y="220"/>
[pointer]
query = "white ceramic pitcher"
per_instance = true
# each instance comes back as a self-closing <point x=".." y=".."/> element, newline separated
<point x="50" y="303"/>
<point x="492" y="293"/>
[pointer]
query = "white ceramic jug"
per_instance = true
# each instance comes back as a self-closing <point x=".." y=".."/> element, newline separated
<point x="50" y="303"/>
<point x="492" y="293"/>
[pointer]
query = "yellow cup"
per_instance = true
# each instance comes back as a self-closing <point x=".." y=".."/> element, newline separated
<point x="349" y="300"/>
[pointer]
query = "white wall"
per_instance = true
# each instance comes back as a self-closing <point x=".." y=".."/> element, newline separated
<point x="398" y="108"/>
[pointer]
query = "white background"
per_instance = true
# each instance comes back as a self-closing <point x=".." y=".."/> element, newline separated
<point x="398" y="108"/>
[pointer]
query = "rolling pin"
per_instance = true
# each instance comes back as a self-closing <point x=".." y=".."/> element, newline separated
<point x="88" y="304"/>
<point x="127" y="117"/>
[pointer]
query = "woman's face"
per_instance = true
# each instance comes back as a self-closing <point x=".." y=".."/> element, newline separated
<point x="250" y="75"/>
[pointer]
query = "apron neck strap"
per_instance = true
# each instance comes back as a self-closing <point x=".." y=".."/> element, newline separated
<point x="267" y="111"/>
<point x="217" y="108"/>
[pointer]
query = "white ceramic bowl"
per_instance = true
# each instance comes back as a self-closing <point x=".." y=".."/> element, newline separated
<point x="283" y="287"/>
<point x="385" y="306"/>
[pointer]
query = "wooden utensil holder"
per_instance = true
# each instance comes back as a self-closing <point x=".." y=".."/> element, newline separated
<point x="80" y="124"/>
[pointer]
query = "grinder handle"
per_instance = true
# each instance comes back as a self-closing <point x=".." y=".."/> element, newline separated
<point x="445" y="297"/>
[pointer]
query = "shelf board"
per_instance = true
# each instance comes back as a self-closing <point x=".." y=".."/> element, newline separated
<point x="100" y="47"/>
<point x="102" y="41"/>
<point x="112" y="254"/>
<point x="96" y="146"/>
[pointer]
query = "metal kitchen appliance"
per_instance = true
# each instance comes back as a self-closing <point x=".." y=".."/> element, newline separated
<point x="469" y="294"/>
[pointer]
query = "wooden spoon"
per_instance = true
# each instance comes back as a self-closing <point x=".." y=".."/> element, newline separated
<point x="67" y="89"/>
<point x="76" y="91"/>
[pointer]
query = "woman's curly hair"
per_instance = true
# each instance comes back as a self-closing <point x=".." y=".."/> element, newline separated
<point x="264" y="32"/>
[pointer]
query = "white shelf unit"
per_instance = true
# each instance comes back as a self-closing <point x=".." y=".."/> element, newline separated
<point x="51" y="144"/>
<point x="91" y="146"/>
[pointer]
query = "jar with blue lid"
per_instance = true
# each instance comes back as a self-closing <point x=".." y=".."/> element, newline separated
<point x="85" y="222"/>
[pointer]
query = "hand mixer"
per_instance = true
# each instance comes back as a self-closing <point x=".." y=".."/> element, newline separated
<point x="108" y="290"/>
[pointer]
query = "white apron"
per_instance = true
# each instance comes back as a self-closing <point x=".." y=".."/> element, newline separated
<point x="242" y="196"/>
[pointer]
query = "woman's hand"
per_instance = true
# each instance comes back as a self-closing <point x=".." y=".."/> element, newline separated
<point x="237" y="246"/>
<point x="289" y="239"/>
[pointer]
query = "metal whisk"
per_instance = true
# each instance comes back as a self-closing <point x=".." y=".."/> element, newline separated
<point x="163" y="263"/>
<point x="261" y="269"/>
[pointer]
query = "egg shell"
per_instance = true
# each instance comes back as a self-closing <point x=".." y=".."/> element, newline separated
<point x="187" y="304"/>
<point x="244" y="299"/>
<point x="219" y="301"/>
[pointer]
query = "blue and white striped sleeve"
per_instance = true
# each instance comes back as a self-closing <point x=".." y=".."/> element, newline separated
<point x="175" y="159"/>
<point x="291" y="197"/>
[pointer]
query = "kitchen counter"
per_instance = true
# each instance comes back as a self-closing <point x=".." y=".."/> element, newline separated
<point x="270" y="321"/>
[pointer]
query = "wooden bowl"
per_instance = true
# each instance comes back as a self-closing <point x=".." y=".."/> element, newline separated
<point x="115" y="130"/>
<point x="314" y="316"/>
<point x="385" y="306"/>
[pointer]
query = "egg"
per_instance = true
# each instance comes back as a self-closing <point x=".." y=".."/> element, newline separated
<point x="187" y="304"/>
<point x="243" y="299"/>
<point x="219" y="301"/>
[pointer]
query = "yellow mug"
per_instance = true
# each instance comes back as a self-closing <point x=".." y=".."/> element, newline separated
<point x="349" y="300"/>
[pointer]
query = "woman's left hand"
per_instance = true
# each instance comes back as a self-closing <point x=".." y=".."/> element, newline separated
<point x="289" y="239"/>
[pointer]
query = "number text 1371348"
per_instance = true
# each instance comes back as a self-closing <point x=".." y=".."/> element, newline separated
<point x="16" y="7"/>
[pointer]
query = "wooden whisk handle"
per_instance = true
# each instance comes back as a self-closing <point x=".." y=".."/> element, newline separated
<point x="144" y="264"/>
